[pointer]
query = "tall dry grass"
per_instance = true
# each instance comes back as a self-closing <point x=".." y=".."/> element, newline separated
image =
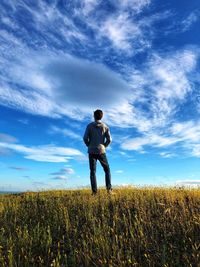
<point x="135" y="227"/>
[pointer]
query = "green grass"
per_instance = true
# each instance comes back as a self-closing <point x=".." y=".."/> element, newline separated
<point x="135" y="227"/>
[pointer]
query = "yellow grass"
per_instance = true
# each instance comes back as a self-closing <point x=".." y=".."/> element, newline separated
<point x="135" y="227"/>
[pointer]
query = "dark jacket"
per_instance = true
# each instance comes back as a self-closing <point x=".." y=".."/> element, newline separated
<point x="97" y="137"/>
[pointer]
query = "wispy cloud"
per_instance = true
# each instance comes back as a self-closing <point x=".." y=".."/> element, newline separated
<point x="188" y="183"/>
<point x="63" y="174"/>
<point x="69" y="170"/>
<point x="135" y="5"/>
<point x="190" y="20"/>
<point x="26" y="176"/>
<point x="24" y="121"/>
<point x="60" y="177"/>
<point x="87" y="6"/>
<point x="181" y="24"/>
<point x="125" y="30"/>
<point x="46" y="153"/>
<point x="27" y="101"/>
<point x="46" y="19"/>
<point x="119" y="171"/>
<point x="63" y="171"/>
<point x="185" y="135"/>
<point x="150" y="139"/>
<point x="168" y="82"/>
<point x="18" y="168"/>
<point x="65" y="132"/>
<point x="124" y="33"/>
<point x="167" y="155"/>
<point x="7" y="138"/>
<point x="188" y="130"/>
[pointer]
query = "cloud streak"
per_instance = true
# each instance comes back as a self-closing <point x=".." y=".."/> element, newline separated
<point x="45" y="153"/>
<point x="7" y="138"/>
<point x="65" y="132"/>
<point x="18" y="168"/>
<point x="184" y="135"/>
<point x="192" y="18"/>
<point x="193" y="183"/>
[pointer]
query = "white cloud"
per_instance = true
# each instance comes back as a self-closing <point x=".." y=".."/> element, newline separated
<point x="48" y="20"/>
<point x="10" y="37"/>
<point x="27" y="100"/>
<point x="124" y="34"/>
<point x="46" y="153"/>
<point x="185" y="135"/>
<point x="166" y="154"/>
<point x="89" y="6"/>
<point x="150" y="139"/>
<point x="23" y="121"/>
<point x="65" y="132"/>
<point x="136" y="5"/>
<point x="60" y="177"/>
<point x="127" y="32"/>
<point x="18" y="168"/>
<point x="7" y="138"/>
<point x="166" y="83"/>
<point x="193" y="183"/>
<point x="170" y="82"/>
<point x="189" y="133"/>
<point x="195" y="150"/>
<point x="64" y="171"/>
<point x="63" y="174"/>
<point x="7" y="21"/>
<point x="69" y="170"/>
<point x="188" y="130"/>
<point x="190" y="20"/>
<point x="119" y="171"/>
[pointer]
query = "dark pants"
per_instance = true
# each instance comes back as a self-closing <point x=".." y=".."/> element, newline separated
<point x="104" y="163"/>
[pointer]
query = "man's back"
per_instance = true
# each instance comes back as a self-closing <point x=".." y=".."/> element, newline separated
<point x="97" y="134"/>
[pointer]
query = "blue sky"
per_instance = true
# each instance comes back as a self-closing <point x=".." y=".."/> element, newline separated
<point x="137" y="60"/>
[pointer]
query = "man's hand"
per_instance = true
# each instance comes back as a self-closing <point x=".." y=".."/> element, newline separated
<point x="101" y="149"/>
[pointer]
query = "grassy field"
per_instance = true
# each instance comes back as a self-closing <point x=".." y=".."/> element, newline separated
<point x="135" y="227"/>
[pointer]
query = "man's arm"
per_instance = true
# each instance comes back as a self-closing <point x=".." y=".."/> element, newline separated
<point x="86" y="137"/>
<point x="108" y="138"/>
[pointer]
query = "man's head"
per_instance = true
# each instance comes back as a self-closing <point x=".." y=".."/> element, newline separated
<point x="98" y="114"/>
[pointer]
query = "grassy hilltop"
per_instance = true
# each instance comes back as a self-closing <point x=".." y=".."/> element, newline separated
<point x="136" y="227"/>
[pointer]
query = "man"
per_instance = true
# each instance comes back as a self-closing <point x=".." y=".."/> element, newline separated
<point x="97" y="137"/>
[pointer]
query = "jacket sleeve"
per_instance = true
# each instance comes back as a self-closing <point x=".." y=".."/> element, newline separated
<point x="108" y="137"/>
<point x="86" y="137"/>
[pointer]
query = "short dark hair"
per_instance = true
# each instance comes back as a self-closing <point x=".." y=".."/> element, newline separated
<point x="98" y="114"/>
